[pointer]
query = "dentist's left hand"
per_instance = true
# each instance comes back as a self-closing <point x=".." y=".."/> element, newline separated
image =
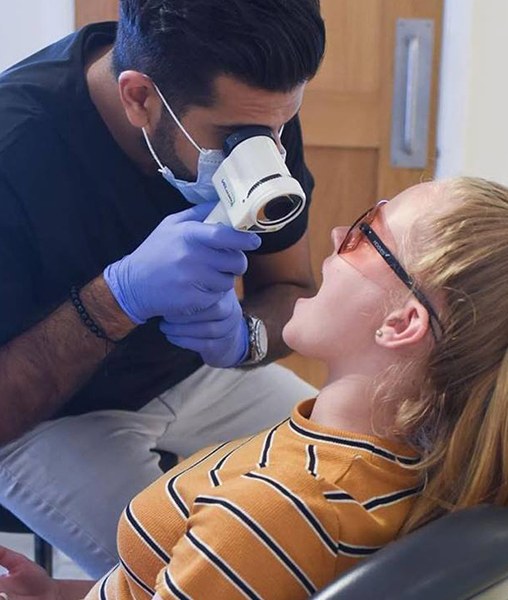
<point x="219" y="333"/>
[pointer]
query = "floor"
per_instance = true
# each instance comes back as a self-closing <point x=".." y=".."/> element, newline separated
<point x="63" y="567"/>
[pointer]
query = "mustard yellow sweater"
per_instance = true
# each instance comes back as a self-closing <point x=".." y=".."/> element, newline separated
<point x="275" y="516"/>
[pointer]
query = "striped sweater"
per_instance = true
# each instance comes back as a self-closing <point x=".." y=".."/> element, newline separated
<point x="275" y="516"/>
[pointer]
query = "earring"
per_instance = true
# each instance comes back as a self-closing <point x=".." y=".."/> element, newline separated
<point x="379" y="333"/>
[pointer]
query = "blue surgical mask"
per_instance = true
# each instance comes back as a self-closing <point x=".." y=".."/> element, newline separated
<point x="201" y="190"/>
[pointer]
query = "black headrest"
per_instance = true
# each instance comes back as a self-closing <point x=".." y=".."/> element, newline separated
<point x="452" y="558"/>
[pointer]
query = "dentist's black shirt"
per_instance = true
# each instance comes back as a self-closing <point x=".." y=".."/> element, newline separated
<point x="71" y="202"/>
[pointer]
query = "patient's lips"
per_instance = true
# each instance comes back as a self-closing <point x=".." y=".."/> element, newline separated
<point x="337" y="235"/>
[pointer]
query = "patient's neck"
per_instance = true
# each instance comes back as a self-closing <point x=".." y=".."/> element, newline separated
<point x="347" y="404"/>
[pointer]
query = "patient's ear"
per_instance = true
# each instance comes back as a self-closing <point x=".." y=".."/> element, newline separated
<point x="404" y="327"/>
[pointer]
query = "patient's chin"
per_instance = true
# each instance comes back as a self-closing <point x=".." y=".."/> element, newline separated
<point x="289" y="334"/>
<point x="294" y="335"/>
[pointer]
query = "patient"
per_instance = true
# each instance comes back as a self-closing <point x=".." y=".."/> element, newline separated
<point x="412" y="323"/>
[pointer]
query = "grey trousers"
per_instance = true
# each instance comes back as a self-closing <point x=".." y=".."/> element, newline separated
<point x="70" y="479"/>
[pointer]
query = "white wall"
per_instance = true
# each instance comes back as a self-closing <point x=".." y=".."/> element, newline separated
<point x="454" y="86"/>
<point x="473" y="120"/>
<point x="28" y="25"/>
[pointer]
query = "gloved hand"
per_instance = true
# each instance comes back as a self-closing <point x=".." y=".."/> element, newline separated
<point x="183" y="267"/>
<point x="218" y="333"/>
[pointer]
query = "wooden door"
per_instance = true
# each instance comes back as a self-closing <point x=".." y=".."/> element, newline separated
<point x="346" y="121"/>
<point x="346" y="117"/>
<point x="90" y="11"/>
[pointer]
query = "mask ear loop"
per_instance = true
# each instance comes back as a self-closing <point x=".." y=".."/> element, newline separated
<point x="279" y="142"/>
<point x="152" y="151"/>
<point x="175" y="118"/>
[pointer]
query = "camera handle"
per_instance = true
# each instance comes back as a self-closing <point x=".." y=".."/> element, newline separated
<point x="218" y="215"/>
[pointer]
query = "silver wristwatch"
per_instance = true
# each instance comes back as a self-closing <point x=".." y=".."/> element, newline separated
<point x="258" y="340"/>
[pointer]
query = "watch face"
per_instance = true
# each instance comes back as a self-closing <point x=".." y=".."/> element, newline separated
<point x="258" y="340"/>
<point x="262" y="338"/>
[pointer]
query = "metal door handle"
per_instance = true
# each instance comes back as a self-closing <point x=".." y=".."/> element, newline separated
<point x="411" y="95"/>
<point x="411" y="104"/>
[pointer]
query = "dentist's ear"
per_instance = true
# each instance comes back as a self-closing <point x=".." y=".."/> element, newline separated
<point x="139" y="99"/>
<point x="404" y="327"/>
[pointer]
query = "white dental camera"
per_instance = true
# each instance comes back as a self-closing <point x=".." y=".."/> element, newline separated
<point x="256" y="190"/>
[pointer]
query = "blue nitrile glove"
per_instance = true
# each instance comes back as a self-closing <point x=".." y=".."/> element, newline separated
<point x="218" y="333"/>
<point x="183" y="267"/>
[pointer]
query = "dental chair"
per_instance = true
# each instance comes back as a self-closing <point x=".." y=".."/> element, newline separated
<point x="462" y="556"/>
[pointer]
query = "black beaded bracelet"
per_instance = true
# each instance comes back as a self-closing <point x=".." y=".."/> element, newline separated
<point x="86" y="318"/>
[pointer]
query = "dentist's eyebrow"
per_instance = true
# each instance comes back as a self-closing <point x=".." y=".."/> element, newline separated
<point x="232" y="128"/>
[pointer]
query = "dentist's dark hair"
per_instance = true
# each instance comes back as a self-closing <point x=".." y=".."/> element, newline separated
<point x="183" y="45"/>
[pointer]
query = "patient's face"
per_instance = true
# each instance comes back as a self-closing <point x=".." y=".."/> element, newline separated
<point x="341" y="320"/>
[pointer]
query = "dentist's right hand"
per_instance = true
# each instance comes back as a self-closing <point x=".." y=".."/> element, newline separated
<point x="183" y="267"/>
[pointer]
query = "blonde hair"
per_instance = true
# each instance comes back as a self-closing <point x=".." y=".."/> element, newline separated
<point x="459" y="420"/>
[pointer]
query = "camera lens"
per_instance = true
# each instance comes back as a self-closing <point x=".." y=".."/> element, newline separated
<point x="279" y="209"/>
